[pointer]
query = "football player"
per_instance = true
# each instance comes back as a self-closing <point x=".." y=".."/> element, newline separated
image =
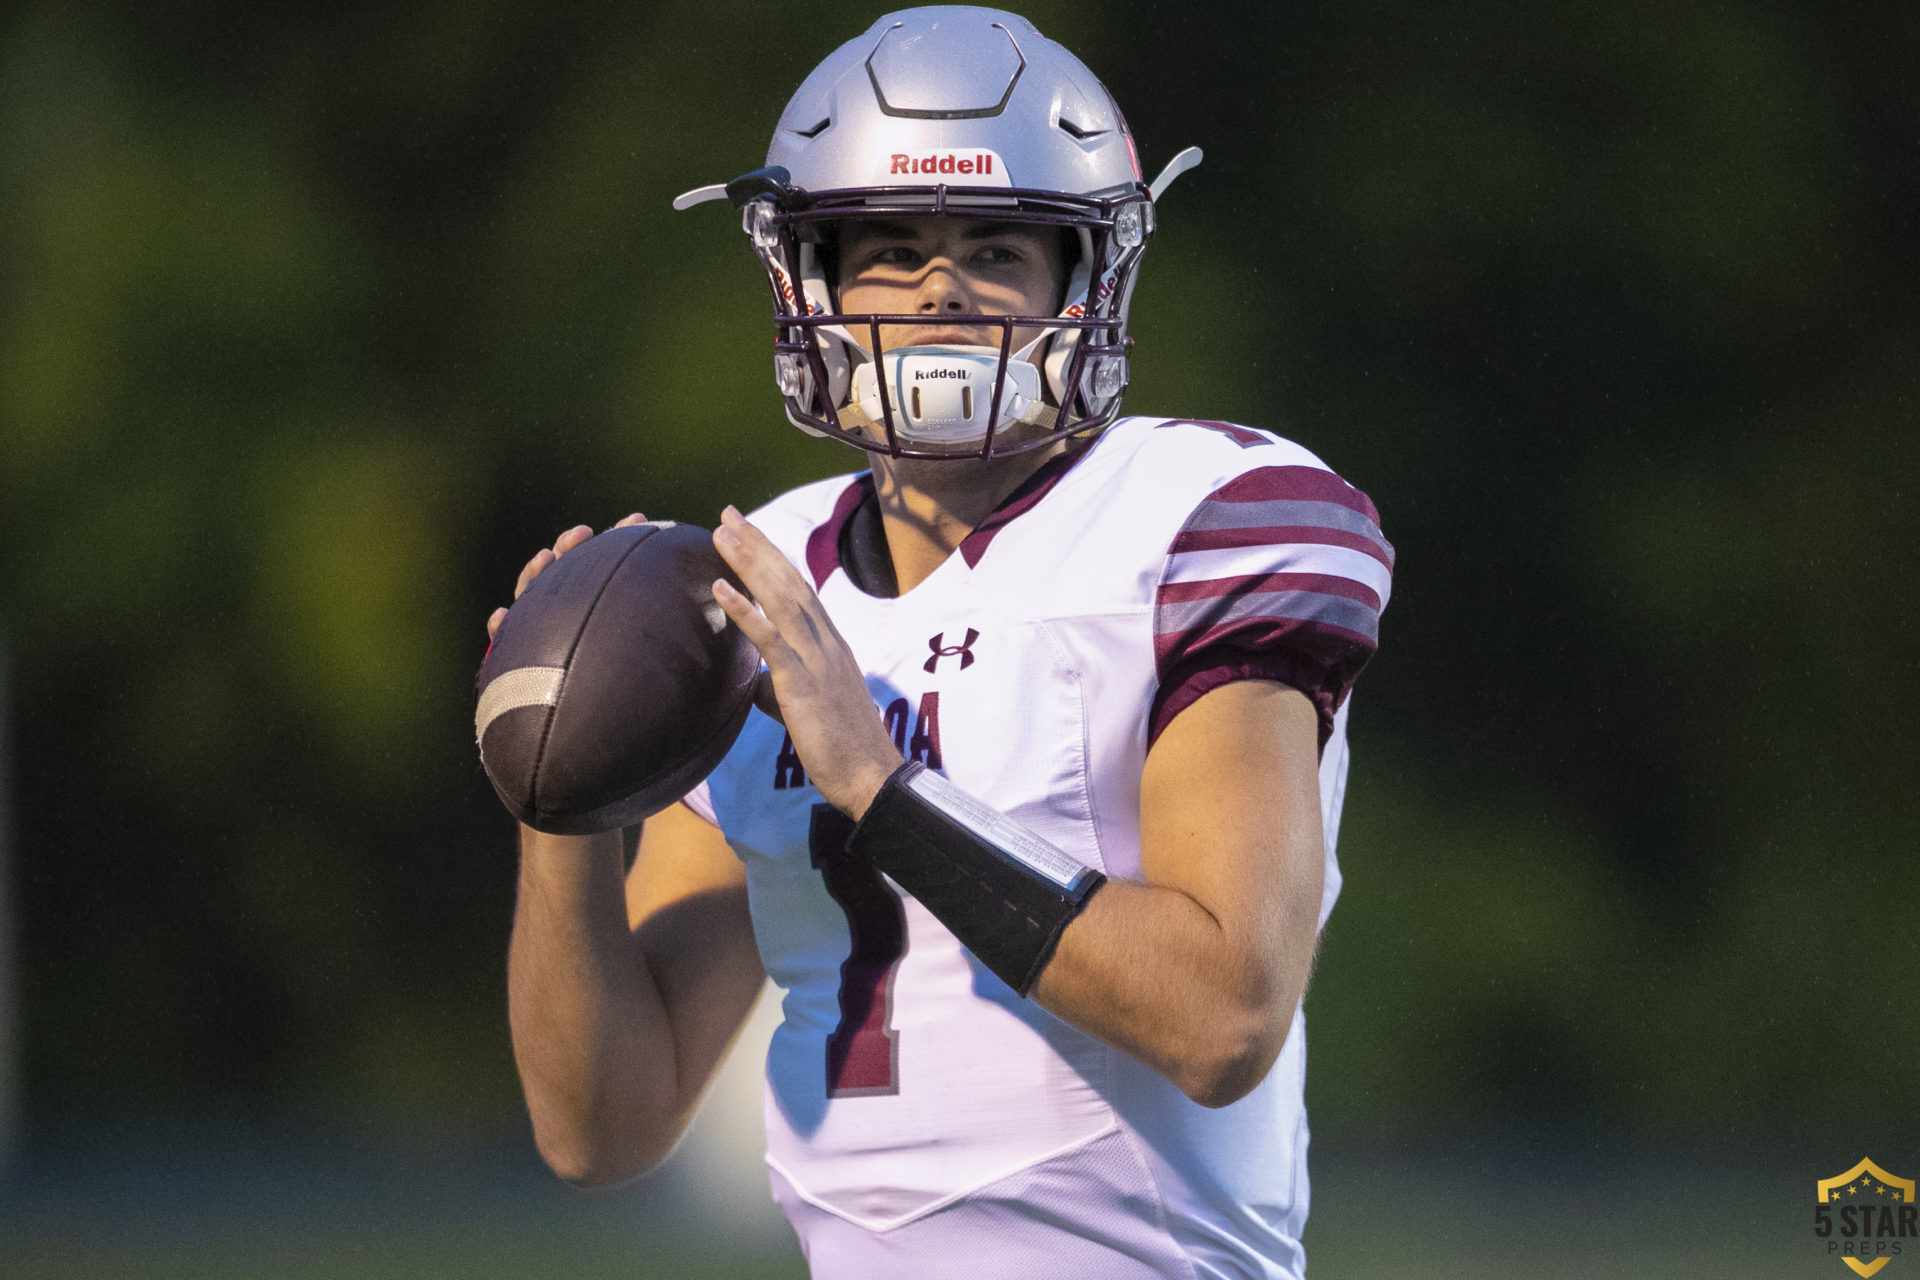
<point x="1036" y="831"/>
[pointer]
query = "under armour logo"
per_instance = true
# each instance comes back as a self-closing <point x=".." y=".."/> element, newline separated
<point x="964" y="649"/>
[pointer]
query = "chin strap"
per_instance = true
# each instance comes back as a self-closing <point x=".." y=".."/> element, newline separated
<point x="944" y="395"/>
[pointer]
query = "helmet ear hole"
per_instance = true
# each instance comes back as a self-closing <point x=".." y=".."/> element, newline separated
<point x="1061" y="342"/>
<point x="826" y="257"/>
<point x="1074" y="248"/>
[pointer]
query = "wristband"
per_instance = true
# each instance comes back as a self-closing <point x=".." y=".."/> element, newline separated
<point x="1002" y="890"/>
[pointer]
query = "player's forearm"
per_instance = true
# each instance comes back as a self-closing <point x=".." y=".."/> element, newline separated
<point x="1197" y="975"/>
<point x="591" y="1033"/>
<point x="1151" y="972"/>
<point x="1198" y="971"/>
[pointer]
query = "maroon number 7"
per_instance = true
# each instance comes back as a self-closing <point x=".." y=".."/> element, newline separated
<point x="863" y="1053"/>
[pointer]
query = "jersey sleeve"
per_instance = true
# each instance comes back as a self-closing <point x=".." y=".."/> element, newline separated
<point x="1278" y="574"/>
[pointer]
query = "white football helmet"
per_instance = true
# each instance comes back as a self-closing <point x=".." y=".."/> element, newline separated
<point x="964" y="112"/>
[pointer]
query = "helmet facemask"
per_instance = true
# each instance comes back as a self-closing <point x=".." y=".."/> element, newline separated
<point x="839" y="378"/>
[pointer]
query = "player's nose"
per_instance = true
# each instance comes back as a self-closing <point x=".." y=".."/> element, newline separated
<point x="942" y="289"/>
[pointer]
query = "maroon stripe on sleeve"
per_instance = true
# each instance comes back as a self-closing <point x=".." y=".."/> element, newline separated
<point x="1324" y="583"/>
<point x="823" y="544"/>
<point x="1266" y="484"/>
<point x="1335" y="646"/>
<point x="1185" y="686"/>
<point x="1277" y="609"/>
<point x="1276" y="535"/>
<point x="1245" y="437"/>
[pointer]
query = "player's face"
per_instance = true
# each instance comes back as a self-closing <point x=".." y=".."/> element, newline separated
<point x="946" y="266"/>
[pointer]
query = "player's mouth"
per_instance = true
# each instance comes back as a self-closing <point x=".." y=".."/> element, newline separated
<point x="896" y="336"/>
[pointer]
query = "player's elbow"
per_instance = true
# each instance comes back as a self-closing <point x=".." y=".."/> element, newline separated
<point x="1246" y="1014"/>
<point x="598" y="1164"/>
<point x="592" y="1148"/>
<point x="1226" y="1058"/>
<point x="1231" y="1063"/>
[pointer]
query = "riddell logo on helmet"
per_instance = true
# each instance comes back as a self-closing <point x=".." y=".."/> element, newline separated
<point x="788" y="295"/>
<point x="921" y="375"/>
<point x="976" y="168"/>
<point x="980" y="162"/>
<point x="1101" y="293"/>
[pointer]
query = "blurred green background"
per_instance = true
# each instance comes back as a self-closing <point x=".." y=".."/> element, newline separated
<point x="316" y="321"/>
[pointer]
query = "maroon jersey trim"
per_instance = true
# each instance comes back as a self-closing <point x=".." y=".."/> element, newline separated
<point x="823" y="544"/>
<point x="1020" y="501"/>
<point x="1278" y="535"/>
<point x="1212" y="671"/>
<point x="1313" y="631"/>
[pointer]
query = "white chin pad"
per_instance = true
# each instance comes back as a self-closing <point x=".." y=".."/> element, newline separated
<point x="943" y="395"/>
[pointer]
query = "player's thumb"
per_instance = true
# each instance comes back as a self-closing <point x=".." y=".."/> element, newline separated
<point x="763" y="697"/>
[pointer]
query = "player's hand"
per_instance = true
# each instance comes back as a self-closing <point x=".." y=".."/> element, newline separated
<point x="545" y="556"/>
<point x="821" y="691"/>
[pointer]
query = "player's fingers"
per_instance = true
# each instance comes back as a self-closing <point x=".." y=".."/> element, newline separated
<point x="747" y="616"/>
<point x="782" y="594"/>
<point x="630" y="521"/>
<point x="571" y="539"/>
<point x="742" y="539"/>
<point x="541" y="559"/>
<point x="782" y="580"/>
<point x="743" y="548"/>
<point x="494" y="620"/>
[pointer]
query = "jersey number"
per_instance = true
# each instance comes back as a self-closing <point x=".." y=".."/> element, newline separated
<point x="863" y="1053"/>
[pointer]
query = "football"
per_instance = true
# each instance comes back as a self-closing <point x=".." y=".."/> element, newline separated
<point x="616" y="683"/>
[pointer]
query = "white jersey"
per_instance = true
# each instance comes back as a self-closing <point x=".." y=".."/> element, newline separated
<point x="922" y="1119"/>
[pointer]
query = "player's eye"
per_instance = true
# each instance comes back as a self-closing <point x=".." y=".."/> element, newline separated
<point x="999" y="255"/>
<point x="896" y="255"/>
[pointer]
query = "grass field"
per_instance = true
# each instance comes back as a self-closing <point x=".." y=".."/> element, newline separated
<point x="306" y="1208"/>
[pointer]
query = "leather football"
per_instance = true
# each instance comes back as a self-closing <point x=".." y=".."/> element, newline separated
<point x="616" y="683"/>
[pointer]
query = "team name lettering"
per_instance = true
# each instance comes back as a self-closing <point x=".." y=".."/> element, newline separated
<point x="787" y="771"/>
<point x="915" y="734"/>
<point x="924" y="743"/>
<point x="948" y="163"/>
